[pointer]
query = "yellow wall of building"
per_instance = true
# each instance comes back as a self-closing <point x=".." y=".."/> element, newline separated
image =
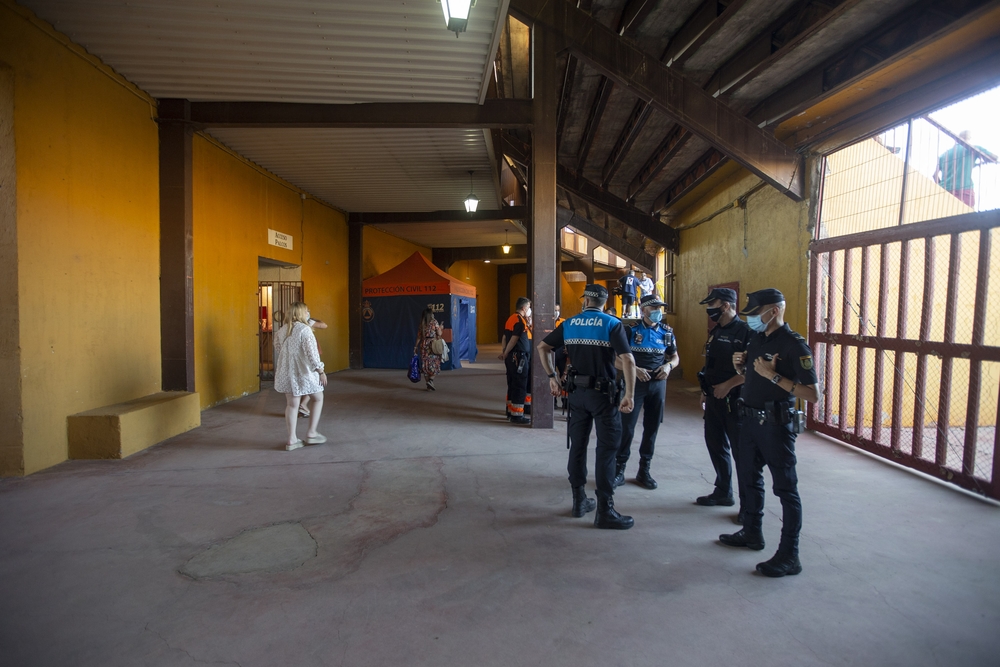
<point x="235" y="204"/>
<point x="484" y="277"/>
<point x="712" y="253"/>
<point x="383" y="251"/>
<point x="572" y="295"/>
<point x="87" y="217"/>
<point x="518" y="288"/>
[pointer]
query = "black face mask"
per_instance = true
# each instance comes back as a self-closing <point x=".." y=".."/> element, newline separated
<point x="714" y="313"/>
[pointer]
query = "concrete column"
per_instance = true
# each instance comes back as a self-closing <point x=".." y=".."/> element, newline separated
<point x="542" y="241"/>
<point x="176" y="246"/>
<point x="12" y="433"/>
<point x="355" y="275"/>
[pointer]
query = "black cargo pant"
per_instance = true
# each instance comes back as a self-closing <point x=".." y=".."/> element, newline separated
<point x="649" y="396"/>
<point x="772" y="445"/>
<point x="589" y="408"/>
<point x="722" y="437"/>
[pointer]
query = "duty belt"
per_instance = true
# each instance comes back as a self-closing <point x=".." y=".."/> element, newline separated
<point x="777" y="413"/>
<point x="592" y="382"/>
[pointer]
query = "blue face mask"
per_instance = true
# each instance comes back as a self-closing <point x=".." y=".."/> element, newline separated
<point x="656" y="316"/>
<point x="755" y="323"/>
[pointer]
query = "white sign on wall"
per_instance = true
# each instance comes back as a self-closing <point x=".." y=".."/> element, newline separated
<point x="279" y="239"/>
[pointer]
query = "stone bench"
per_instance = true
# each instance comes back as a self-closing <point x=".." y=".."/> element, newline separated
<point x="120" y="430"/>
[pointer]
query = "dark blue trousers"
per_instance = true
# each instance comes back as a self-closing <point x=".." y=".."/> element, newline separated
<point x="649" y="396"/>
<point x="589" y="408"/>
<point x="772" y="445"/>
<point x="722" y="437"/>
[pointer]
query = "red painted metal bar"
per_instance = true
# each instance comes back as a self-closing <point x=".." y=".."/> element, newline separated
<point x="831" y="314"/>
<point x="923" y="465"/>
<point x="845" y="349"/>
<point x="899" y="361"/>
<point x="883" y="294"/>
<point x="995" y="479"/>
<point x="859" y="387"/>
<point x="814" y="315"/>
<point x="920" y="388"/>
<point x="956" y="224"/>
<point x="950" y="315"/>
<point x="924" y="347"/>
<point x="976" y="367"/>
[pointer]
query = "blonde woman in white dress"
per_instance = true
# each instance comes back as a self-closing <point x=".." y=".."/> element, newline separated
<point x="298" y="372"/>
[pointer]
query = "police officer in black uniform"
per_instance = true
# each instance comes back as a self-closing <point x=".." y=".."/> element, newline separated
<point x="721" y="384"/>
<point x="778" y="366"/>
<point x="593" y="339"/>
<point x="655" y="350"/>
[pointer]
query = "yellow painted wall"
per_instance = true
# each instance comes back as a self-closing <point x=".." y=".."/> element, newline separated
<point x="235" y="204"/>
<point x="383" y="251"/>
<point x="484" y="277"/>
<point x="518" y="288"/>
<point x="87" y="234"/>
<point x="572" y="295"/>
<point x="712" y="253"/>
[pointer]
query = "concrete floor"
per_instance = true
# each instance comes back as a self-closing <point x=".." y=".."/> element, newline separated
<point x="428" y="531"/>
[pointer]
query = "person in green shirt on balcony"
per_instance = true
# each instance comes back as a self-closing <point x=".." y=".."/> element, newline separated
<point x="955" y="165"/>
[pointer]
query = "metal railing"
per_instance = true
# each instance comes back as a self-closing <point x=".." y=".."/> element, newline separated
<point x="905" y="327"/>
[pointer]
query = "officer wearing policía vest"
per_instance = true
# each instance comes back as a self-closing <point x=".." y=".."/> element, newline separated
<point x="778" y="366"/>
<point x="593" y="340"/>
<point x="655" y="350"/>
<point x="721" y="386"/>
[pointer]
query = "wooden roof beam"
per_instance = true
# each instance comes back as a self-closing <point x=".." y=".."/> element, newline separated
<point x="617" y="245"/>
<point x="390" y="218"/>
<point x="492" y="113"/>
<point x="669" y="92"/>
<point x="639" y="220"/>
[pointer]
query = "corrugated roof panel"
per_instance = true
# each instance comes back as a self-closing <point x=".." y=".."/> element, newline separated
<point x="338" y="51"/>
<point x="389" y="169"/>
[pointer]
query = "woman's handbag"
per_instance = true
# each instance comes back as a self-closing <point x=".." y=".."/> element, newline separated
<point x="438" y="346"/>
<point x="414" y="372"/>
<point x="444" y="352"/>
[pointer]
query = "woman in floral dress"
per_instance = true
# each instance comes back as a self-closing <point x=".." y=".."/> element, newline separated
<point x="298" y="372"/>
<point x="430" y="363"/>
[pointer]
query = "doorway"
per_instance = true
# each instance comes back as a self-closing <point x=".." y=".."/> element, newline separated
<point x="278" y="287"/>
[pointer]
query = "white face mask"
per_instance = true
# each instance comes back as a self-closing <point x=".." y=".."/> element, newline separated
<point x="527" y="312"/>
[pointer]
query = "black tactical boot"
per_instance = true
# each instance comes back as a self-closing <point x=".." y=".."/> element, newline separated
<point x="581" y="503"/>
<point x="782" y="563"/>
<point x="643" y="478"/>
<point x="607" y="517"/>
<point x="619" y="475"/>
<point x="751" y="538"/>
<point x="716" y="498"/>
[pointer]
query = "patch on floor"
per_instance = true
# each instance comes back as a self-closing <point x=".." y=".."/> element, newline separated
<point x="277" y="548"/>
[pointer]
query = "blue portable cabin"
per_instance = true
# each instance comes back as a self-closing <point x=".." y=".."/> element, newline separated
<point x="392" y="303"/>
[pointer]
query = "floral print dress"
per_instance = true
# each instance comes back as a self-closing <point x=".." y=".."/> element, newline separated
<point x="430" y="363"/>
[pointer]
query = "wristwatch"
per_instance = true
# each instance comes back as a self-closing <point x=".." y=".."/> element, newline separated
<point x="777" y="378"/>
<point x="552" y="375"/>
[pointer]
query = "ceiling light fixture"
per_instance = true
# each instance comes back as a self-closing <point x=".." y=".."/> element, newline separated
<point x="472" y="201"/>
<point x="456" y="14"/>
<point x="506" y="245"/>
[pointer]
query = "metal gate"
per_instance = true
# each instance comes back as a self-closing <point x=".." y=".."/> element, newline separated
<point x="905" y="326"/>
<point x="273" y="300"/>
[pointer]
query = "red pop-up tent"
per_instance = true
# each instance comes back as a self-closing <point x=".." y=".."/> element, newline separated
<point x="393" y="301"/>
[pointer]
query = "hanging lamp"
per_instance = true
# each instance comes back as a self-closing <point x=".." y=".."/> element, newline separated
<point x="472" y="201"/>
<point x="506" y="245"/>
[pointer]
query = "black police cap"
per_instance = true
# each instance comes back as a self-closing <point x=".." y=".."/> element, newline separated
<point x="596" y="291"/>
<point x="650" y="300"/>
<point x="760" y="298"/>
<point x="721" y="293"/>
